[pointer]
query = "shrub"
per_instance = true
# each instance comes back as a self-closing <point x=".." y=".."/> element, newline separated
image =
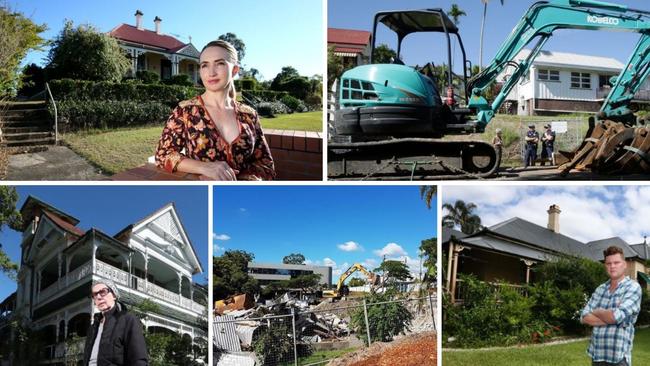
<point x="644" y="315"/>
<point x="246" y="84"/>
<point x="80" y="90"/>
<point x="180" y="79"/>
<point x="270" y="109"/>
<point x="148" y="77"/>
<point x="385" y="320"/>
<point x="274" y="343"/>
<point x="568" y="272"/>
<point x="109" y="114"/>
<point x="294" y="104"/>
<point x="266" y="95"/>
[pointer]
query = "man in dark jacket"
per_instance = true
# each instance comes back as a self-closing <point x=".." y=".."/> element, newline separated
<point x="115" y="337"/>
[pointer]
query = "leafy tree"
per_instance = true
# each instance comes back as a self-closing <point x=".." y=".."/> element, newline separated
<point x="427" y="193"/>
<point x="334" y="67"/>
<point x="385" y="321"/>
<point x="142" y="309"/>
<point x="11" y="217"/>
<point x="294" y="258"/>
<point x="236" y="42"/>
<point x="305" y="281"/>
<point x="274" y="342"/>
<point x="18" y="35"/>
<point x="289" y="80"/>
<point x="383" y="54"/>
<point x="394" y="271"/>
<point x="428" y="249"/>
<point x="33" y="80"/>
<point x="230" y="274"/>
<point x="355" y="282"/>
<point x="462" y="214"/>
<point x="85" y="53"/>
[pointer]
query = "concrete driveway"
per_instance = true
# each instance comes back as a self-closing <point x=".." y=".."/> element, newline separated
<point x="55" y="163"/>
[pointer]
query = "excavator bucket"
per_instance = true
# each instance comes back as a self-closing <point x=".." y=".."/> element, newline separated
<point x="612" y="148"/>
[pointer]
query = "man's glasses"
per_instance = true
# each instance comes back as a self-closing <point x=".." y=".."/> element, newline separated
<point x="103" y="292"/>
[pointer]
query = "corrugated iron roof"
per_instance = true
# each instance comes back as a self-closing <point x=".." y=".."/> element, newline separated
<point x="574" y="60"/>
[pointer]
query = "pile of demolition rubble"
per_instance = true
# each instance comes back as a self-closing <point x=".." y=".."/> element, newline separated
<point x="239" y="321"/>
<point x="610" y="148"/>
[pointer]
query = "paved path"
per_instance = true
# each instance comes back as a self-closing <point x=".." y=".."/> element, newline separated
<point x="56" y="163"/>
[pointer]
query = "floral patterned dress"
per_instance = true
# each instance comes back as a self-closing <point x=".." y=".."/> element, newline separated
<point x="191" y="133"/>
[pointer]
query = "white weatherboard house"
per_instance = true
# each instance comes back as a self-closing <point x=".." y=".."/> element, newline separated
<point x="560" y="82"/>
<point x="150" y="259"/>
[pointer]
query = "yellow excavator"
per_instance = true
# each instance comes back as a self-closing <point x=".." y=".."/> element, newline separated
<point x="342" y="290"/>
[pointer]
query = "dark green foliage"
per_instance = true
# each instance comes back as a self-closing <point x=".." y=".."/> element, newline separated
<point x="334" y="67"/>
<point x="180" y="79"/>
<point x="79" y="90"/>
<point x="294" y="258"/>
<point x="295" y="104"/>
<point x="148" y="77"/>
<point x="428" y="250"/>
<point x="236" y="42"/>
<point x="385" y="320"/>
<point x="462" y="214"/>
<point x="383" y="54"/>
<point x="166" y="349"/>
<point x="355" y="282"/>
<point x="569" y="272"/>
<point x="267" y="95"/>
<point x="230" y="275"/>
<point x="12" y="218"/>
<point x="102" y="114"/>
<point x="246" y="84"/>
<point x="644" y="315"/>
<point x="274" y="343"/>
<point x="289" y="80"/>
<point x="393" y="271"/>
<point x="85" y="53"/>
<point x="33" y="80"/>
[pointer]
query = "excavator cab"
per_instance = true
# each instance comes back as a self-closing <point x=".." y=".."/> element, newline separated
<point x="398" y="100"/>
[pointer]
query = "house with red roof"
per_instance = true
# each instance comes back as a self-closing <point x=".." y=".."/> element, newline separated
<point x="155" y="51"/>
<point x="352" y="45"/>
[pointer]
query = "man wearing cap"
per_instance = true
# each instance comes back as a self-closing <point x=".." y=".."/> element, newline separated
<point x="548" y="139"/>
<point x="532" y="139"/>
<point x="612" y="312"/>
<point x="115" y="337"/>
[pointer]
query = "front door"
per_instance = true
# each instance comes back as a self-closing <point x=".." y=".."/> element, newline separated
<point x="165" y="69"/>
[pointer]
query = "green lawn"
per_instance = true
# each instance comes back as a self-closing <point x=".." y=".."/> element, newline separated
<point x="120" y="149"/>
<point x="570" y="354"/>
<point x="308" y="121"/>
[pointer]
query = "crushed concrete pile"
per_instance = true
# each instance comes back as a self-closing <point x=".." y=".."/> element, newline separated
<point x="411" y="350"/>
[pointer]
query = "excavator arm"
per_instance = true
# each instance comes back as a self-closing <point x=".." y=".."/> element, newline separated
<point x="538" y="25"/>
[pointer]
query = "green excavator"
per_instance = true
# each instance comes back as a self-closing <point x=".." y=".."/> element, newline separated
<point x="390" y="117"/>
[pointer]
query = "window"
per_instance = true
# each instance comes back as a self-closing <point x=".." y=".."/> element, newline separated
<point x="603" y="81"/>
<point x="581" y="80"/>
<point x="548" y="75"/>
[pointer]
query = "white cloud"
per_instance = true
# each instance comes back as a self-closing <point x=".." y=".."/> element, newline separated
<point x="390" y="250"/>
<point x="350" y="246"/>
<point x="241" y="209"/>
<point x="216" y="249"/>
<point x="369" y="263"/>
<point x="329" y="262"/>
<point x="222" y="237"/>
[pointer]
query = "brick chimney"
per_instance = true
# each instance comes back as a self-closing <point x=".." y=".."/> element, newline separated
<point x="554" y="218"/>
<point x="138" y="19"/>
<point x="157" y="21"/>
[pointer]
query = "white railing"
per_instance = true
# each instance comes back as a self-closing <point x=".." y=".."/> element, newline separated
<point x="198" y="307"/>
<point x="56" y="115"/>
<point x="112" y="273"/>
<point x="68" y="280"/>
<point x="186" y="303"/>
<point x="162" y="293"/>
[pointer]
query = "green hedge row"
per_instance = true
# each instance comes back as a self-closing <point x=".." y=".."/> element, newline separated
<point x="81" y="90"/>
<point x="103" y="114"/>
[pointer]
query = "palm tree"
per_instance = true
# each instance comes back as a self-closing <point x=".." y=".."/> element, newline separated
<point x="462" y="214"/>
<point x="455" y="13"/>
<point x="480" y="52"/>
<point x="427" y="193"/>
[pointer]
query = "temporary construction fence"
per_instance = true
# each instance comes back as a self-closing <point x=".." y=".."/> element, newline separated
<point x="240" y="338"/>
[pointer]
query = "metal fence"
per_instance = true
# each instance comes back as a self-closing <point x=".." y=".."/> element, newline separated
<point x="286" y="339"/>
<point x="567" y="140"/>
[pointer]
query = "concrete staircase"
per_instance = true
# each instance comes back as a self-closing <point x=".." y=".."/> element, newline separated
<point x="25" y="124"/>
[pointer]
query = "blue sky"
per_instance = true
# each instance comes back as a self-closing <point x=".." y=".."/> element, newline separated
<point x="589" y="212"/>
<point x="422" y="48"/>
<point x="320" y="222"/>
<point x="111" y="208"/>
<point x="276" y="33"/>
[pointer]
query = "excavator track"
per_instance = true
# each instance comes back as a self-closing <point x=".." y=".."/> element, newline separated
<point x="412" y="159"/>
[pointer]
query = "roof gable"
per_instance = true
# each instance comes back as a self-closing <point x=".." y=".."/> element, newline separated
<point x="164" y="230"/>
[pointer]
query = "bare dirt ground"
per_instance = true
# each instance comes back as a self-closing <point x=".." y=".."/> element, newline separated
<point x="413" y="350"/>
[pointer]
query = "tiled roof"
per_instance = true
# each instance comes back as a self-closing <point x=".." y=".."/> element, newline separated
<point x="348" y="36"/>
<point x="147" y="37"/>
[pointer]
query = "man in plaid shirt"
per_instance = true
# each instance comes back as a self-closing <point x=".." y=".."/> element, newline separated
<point x="612" y="312"/>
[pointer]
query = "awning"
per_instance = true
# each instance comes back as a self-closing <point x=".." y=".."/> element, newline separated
<point x="644" y="276"/>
